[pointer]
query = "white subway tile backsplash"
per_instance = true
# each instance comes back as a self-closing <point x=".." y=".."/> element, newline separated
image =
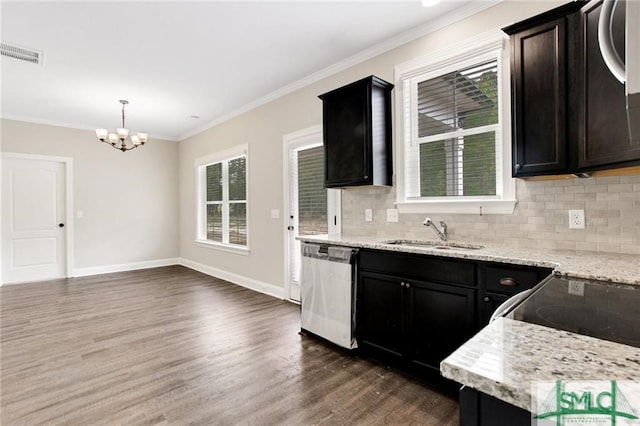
<point x="611" y="204"/>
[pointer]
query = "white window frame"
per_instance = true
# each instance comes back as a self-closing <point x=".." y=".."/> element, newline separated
<point x="493" y="44"/>
<point x="201" y="164"/>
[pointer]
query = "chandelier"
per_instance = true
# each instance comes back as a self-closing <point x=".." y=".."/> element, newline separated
<point x="118" y="140"/>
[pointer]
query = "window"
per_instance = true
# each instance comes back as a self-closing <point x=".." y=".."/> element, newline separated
<point x="222" y="199"/>
<point x="312" y="195"/>
<point x="454" y="149"/>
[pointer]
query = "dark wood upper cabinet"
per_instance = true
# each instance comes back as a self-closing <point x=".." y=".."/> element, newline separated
<point x="357" y="134"/>
<point x="542" y="90"/>
<point x="568" y="111"/>
<point x="604" y="132"/>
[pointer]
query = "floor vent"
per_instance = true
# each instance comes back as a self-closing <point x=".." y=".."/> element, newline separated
<point x="21" y="53"/>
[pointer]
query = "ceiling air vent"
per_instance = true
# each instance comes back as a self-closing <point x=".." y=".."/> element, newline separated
<point x="21" y="53"/>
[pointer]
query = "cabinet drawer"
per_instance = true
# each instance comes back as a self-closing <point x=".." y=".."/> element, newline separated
<point x="419" y="267"/>
<point x="510" y="280"/>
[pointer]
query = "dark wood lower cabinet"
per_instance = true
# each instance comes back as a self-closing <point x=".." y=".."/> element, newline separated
<point x="412" y="311"/>
<point x="480" y="409"/>
<point x="380" y="315"/>
<point x="411" y="321"/>
<point x="440" y="318"/>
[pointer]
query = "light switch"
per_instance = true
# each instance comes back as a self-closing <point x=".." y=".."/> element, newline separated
<point x="275" y="214"/>
<point x="79" y="214"/>
<point x="368" y="215"/>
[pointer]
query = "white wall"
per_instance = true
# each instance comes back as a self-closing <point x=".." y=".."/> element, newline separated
<point x="128" y="199"/>
<point x="263" y="128"/>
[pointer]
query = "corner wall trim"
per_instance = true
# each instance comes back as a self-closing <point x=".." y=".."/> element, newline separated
<point x="250" y="283"/>
<point x="106" y="269"/>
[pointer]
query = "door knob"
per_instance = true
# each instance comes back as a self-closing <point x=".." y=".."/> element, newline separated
<point x="61" y="225"/>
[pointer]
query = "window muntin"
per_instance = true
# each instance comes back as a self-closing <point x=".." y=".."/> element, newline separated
<point x="222" y="211"/>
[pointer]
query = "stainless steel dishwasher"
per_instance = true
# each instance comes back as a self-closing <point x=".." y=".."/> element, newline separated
<point x="327" y="293"/>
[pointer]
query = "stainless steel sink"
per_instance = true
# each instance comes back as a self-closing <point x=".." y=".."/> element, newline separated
<point x="439" y="245"/>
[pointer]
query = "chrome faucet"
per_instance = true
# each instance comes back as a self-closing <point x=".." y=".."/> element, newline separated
<point x="441" y="233"/>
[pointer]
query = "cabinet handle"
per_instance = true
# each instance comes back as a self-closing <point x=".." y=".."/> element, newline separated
<point x="517" y="167"/>
<point x="508" y="282"/>
<point x="402" y="284"/>
<point x="487" y="299"/>
<point x="408" y="285"/>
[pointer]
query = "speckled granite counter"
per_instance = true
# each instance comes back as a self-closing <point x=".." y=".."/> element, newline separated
<point x="622" y="268"/>
<point x="505" y="357"/>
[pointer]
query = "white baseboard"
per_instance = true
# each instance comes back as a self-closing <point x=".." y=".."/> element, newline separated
<point x="250" y="283"/>
<point x="97" y="270"/>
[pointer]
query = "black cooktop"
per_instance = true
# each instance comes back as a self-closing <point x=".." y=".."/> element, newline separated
<point x="594" y="308"/>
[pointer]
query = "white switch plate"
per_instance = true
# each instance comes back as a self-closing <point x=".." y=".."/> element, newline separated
<point x="392" y="215"/>
<point x="576" y="288"/>
<point x="275" y="214"/>
<point x="79" y="214"/>
<point x="368" y="215"/>
<point x="576" y="219"/>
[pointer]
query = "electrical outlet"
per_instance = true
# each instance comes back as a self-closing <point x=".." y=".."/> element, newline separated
<point x="576" y="288"/>
<point x="392" y="215"/>
<point x="576" y="219"/>
<point x="368" y="215"/>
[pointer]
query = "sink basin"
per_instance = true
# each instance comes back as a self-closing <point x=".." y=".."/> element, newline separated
<point x="439" y="245"/>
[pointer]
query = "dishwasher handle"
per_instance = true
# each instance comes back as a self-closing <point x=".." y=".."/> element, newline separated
<point x="330" y="253"/>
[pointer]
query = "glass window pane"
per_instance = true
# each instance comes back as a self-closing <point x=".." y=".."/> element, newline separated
<point x="433" y="170"/>
<point x="461" y="99"/>
<point x="214" y="182"/>
<point x="312" y="196"/>
<point x="238" y="179"/>
<point x="479" y="164"/>
<point x="238" y="223"/>
<point x="463" y="166"/>
<point x="214" y="222"/>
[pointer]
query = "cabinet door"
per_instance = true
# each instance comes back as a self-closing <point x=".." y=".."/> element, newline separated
<point x="346" y="124"/>
<point x="379" y="318"/>
<point x="539" y="99"/>
<point x="604" y="137"/>
<point x="440" y="319"/>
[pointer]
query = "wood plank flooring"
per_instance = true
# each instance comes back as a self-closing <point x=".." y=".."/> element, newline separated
<point x="171" y="346"/>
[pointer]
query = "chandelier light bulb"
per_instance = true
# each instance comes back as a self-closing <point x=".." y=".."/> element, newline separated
<point x="122" y="133"/>
<point x="118" y="140"/>
<point x="102" y="134"/>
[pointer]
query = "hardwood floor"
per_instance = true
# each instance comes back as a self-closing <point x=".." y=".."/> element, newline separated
<point x="173" y="346"/>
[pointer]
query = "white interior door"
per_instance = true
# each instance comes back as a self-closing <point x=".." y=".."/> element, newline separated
<point x="33" y="220"/>
<point x="311" y="209"/>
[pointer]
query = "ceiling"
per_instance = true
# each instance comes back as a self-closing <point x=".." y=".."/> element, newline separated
<point x="176" y="60"/>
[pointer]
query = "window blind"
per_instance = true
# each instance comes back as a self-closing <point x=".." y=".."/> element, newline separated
<point x="312" y="196"/>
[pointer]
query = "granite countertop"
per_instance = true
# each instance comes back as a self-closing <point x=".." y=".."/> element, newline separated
<point x="620" y="268"/>
<point x="507" y="356"/>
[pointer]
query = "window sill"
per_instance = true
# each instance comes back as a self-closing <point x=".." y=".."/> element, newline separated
<point x="459" y="207"/>
<point x="223" y="247"/>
